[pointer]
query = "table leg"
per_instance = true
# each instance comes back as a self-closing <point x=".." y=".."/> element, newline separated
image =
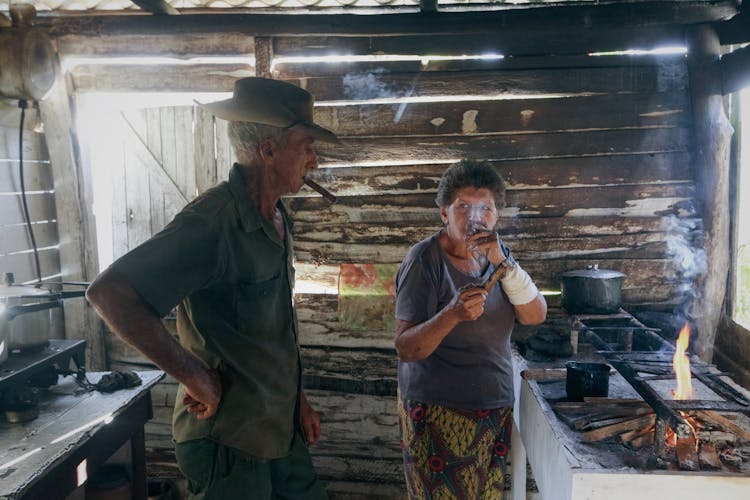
<point x="138" y="453"/>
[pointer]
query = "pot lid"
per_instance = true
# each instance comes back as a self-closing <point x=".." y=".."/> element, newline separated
<point x="593" y="273"/>
<point x="7" y="291"/>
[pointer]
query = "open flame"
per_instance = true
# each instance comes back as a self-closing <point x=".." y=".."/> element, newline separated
<point x="681" y="365"/>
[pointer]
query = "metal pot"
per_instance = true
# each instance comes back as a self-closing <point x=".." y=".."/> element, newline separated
<point x="26" y="315"/>
<point x="586" y="380"/>
<point x="592" y="291"/>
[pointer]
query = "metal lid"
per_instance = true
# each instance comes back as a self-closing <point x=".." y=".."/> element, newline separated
<point x="593" y="273"/>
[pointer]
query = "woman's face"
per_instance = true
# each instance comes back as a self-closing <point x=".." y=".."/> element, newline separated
<point x="472" y="209"/>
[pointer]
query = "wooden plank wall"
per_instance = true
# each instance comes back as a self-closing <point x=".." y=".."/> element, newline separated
<point x="16" y="255"/>
<point x="596" y="153"/>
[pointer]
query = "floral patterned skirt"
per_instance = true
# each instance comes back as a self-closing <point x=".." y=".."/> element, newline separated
<point x="454" y="454"/>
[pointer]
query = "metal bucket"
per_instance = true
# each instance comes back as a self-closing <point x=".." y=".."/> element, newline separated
<point x="586" y="380"/>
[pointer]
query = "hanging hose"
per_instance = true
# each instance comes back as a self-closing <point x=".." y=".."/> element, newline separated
<point x="23" y="105"/>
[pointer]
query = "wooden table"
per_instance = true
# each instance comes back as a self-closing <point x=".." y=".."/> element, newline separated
<point x="75" y="433"/>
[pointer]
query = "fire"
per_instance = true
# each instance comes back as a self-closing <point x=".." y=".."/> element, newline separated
<point x="681" y="365"/>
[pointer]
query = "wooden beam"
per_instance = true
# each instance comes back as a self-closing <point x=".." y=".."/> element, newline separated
<point x="159" y="44"/>
<point x="506" y="147"/>
<point x="735" y="70"/>
<point x="75" y="220"/>
<point x="159" y="78"/>
<point x="712" y="138"/>
<point x="633" y="77"/>
<point x="573" y="18"/>
<point x="507" y="40"/>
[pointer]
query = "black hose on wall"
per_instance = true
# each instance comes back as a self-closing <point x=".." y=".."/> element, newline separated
<point x="23" y="105"/>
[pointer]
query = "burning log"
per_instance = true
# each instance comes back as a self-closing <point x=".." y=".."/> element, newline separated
<point x="708" y="457"/>
<point x="670" y="416"/>
<point x="687" y="452"/>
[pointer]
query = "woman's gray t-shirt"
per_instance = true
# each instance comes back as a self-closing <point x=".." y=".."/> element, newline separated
<point x="471" y="368"/>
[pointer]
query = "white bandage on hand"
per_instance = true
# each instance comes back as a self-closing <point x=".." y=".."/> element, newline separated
<point x="518" y="286"/>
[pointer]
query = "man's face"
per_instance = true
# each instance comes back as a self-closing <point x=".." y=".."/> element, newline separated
<point x="294" y="159"/>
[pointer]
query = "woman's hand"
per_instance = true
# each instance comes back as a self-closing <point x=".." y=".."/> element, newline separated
<point x="468" y="303"/>
<point x="487" y="244"/>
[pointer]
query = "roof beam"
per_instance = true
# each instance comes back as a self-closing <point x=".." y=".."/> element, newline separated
<point x="634" y="15"/>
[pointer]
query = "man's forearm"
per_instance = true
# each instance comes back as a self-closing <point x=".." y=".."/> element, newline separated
<point x="125" y="313"/>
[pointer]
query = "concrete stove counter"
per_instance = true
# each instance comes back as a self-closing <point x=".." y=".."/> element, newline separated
<point x="563" y="472"/>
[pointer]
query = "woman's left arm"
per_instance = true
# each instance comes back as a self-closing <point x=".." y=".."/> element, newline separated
<point x="532" y="313"/>
<point x="529" y="304"/>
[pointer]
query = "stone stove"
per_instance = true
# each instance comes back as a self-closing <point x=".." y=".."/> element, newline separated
<point x="567" y="467"/>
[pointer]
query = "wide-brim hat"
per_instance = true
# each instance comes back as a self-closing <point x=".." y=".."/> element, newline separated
<point x="271" y="102"/>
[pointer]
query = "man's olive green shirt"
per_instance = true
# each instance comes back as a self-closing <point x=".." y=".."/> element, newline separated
<point x="232" y="276"/>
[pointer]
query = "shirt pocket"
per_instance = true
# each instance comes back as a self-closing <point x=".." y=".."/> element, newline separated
<point x="264" y="307"/>
<point x="248" y="291"/>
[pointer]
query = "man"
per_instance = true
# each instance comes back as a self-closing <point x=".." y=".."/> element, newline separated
<point x="241" y="417"/>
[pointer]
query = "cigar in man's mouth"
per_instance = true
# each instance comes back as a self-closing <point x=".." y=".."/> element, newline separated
<point x="320" y="189"/>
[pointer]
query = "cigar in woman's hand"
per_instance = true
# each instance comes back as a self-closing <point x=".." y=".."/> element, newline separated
<point x="320" y="189"/>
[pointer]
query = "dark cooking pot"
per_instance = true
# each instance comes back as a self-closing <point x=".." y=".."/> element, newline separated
<point x="592" y="291"/>
<point x="586" y="380"/>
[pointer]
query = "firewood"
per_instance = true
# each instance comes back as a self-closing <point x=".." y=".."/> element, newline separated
<point x="731" y="456"/>
<point x="543" y="374"/>
<point x="708" y="457"/>
<point x="725" y="422"/>
<point x="625" y="437"/>
<point x="717" y="437"/>
<point x="613" y="430"/>
<point x="581" y="416"/>
<point x="638" y="438"/>
<point x="599" y="404"/>
<point x="617" y="401"/>
<point x="641" y="441"/>
<point x="591" y="424"/>
<point x="687" y="456"/>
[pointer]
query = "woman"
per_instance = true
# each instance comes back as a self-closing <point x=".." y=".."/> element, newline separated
<point x="453" y="342"/>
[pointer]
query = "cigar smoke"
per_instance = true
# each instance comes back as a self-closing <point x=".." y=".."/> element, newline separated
<point x="320" y="189"/>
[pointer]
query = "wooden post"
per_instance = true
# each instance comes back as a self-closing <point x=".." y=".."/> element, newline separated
<point x="75" y="220"/>
<point x="713" y="135"/>
<point x="263" y="56"/>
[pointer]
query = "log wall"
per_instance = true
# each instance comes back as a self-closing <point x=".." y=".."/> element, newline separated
<point x="596" y="152"/>
<point x="16" y="254"/>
